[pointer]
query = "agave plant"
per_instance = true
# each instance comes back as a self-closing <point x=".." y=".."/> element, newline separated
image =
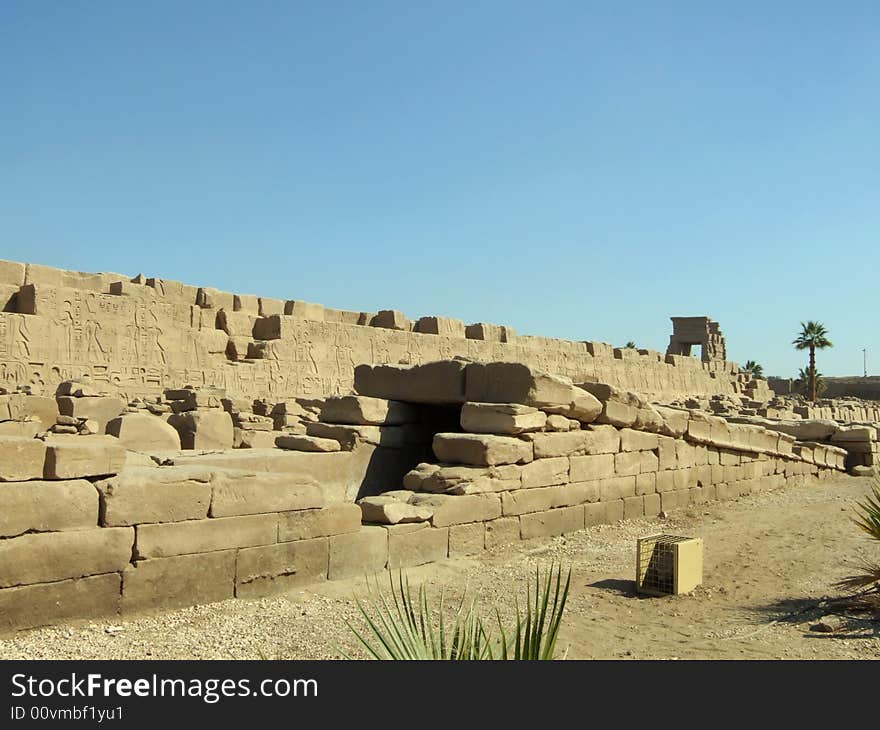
<point x="868" y="519"/>
<point x="407" y="627"/>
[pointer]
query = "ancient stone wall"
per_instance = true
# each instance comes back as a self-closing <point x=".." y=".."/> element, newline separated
<point x="139" y="336"/>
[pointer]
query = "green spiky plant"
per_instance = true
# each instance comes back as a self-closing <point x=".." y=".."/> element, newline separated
<point x="409" y="627"/>
<point x="754" y="369"/>
<point x="868" y="519"/>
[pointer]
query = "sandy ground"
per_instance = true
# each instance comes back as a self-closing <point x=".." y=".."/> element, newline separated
<point x="770" y="564"/>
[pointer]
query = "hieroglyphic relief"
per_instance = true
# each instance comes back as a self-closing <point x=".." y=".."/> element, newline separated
<point x="148" y="337"/>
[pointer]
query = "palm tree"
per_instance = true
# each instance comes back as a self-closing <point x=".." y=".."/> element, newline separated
<point x="755" y="370"/>
<point x="802" y="382"/>
<point x="812" y="336"/>
<point x="631" y="345"/>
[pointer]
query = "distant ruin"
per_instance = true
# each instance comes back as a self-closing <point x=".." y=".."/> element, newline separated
<point x="163" y="445"/>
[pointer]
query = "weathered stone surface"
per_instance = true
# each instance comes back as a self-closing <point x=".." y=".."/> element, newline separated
<point x="552" y="522"/>
<point x="445" y="326"/>
<point x="502" y="531"/>
<point x="236" y="324"/>
<point x="143" y="494"/>
<point x="545" y="472"/>
<point x="210" y="428"/>
<point x="509" y="382"/>
<point x="73" y="457"/>
<point x="20" y="429"/>
<point x="250" y="493"/>
<point x="182" y="580"/>
<point x="38" y="506"/>
<point x="455" y="509"/>
<point x="631" y="440"/>
<point x="601" y="439"/>
<point x="501" y="418"/>
<point x="806" y="430"/>
<point x="548" y="445"/>
<point x="305" y="310"/>
<point x="296" y="442"/>
<point x="349" y="437"/>
<point x="28" y="607"/>
<point x="100" y="409"/>
<point x="458" y="479"/>
<point x="204" y="536"/>
<point x="390" y="511"/>
<point x="467" y="539"/>
<point x="854" y="434"/>
<point x="481" y="449"/>
<point x="359" y="410"/>
<point x="391" y="319"/>
<point x="417" y="547"/>
<point x="675" y="421"/>
<point x="334" y="519"/>
<point x="18" y="407"/>
<point x="243" y="438"/>
<point x="144" y="432"/>
<point x="358" y="553"/>
<point x="437" y="382"/>
<point x="490" y="332"/>
<point x="590" y="467"/>
<point x="264" y="570"/>
<point x="51" y="556"/>
<point x="21" y="458"/>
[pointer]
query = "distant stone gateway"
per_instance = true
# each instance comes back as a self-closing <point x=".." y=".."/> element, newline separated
<point x="164" y="445"/>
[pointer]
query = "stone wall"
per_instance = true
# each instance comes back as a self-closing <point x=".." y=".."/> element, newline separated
<point x="139" y="336"/>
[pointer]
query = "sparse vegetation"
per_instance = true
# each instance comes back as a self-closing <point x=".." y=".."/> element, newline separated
<point x="754" y="369"/>
<point x="410" y="627"/>
<point x="867" y="580"/>
<point x="631" y="345"/>
<point x="813" y="336"/>
<point x="802" y="383"/>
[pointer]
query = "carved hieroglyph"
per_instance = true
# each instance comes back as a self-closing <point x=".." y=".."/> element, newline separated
<point x="146" y="337"/>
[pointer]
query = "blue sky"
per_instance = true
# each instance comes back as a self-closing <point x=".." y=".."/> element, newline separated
<point x="572" y="169"/>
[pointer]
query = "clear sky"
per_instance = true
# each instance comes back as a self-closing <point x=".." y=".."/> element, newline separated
<point x="572" y="169"/>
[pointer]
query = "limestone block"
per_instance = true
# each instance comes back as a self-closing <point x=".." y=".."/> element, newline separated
<point x="633" y="507"/>
<point x="617" y="487"/>
<point x="295" y="442"/>
<point x="545" y="472"/>
<point x="417" y="547"/>
<point x="548" y="445"/>
<point x="455" y="509"/>
<point x="272" y="327"/>
<point x="501" y="418"/>
<point x="437" y="382"/>
<point x="601" y="439"/>
<point x="249" y="493"/>
<point x="100" y="409"/>
<point x="204" y="536"/>
<point x="273" y="568"/>
<point x="21" y="458"/>
<point x="245" y="438"/>
<point x="675" y="421"/>
<point x="334" y="519"/>
<point x="305" y="310"/>
<point x="391" y="437"/>
<point x="627" y="463"/>
<point x="481" y="449"/>
<point x="208" y="298"/>
<point x="646" y="483"/>
<point x="489" y="332"/>
<point x="523" y="501"/>
<point x="20" y="429"/>
<point x="43" y="604"/>
<point x="236" y="324"/>
<point x="132" y="289"/>
<point x="144" y="494"/>
<point x="181" y="580"/>
<point x="358" y="553"/>
<point x="468" y="539"/>
<point x="440" y="326"/>
<point x="552" y="522"/>
<point x="509" y="382"/>
<point x="247" y="303"/>
<point x="631" y="440"/>
<point x="618" y="414"/>
<point x="363" y="410"/>
<point x="20" y="407"/>
<point x="560" y="423"/>
<point x="239" y="348"/>
<point x="502" y="531"/>
<point x="210" y="428"/>
<point x="73" y="457"/>
<point x="12" y="273"/>
<point x="189" y="399"/>
<point x="854" y="434"/>
<point x="587" y="468"/>
<point x="814" y="429"/>
<point x="39" y="506"/>
<point x="391" y="319"/>
<point x="387" y="510"/>
<point x="268" y="307"/>
<point x="144" y="432"/>
<point x="49" y="556"/>
<point x="458" y="479"/>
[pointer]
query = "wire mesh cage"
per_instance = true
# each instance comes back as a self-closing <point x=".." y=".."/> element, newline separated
<point x="667" y="565"/>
